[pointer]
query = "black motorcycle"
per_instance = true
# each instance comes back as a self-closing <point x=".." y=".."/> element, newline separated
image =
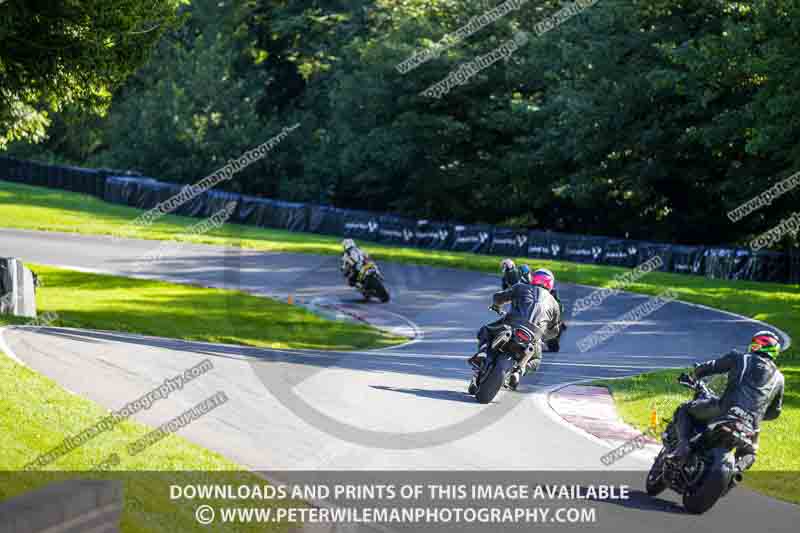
<point x="709" y="472"/>
<point x="370" y="282"/>
<point x="508" y="347"/>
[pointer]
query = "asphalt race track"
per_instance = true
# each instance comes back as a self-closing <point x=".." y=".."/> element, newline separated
<point x="404" y="408"/>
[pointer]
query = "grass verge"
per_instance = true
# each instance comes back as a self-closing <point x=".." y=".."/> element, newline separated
<point x="96" y="301"/>
<point x="51" y="414"/>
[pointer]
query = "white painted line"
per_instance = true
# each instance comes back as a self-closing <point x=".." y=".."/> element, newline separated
<point x="7" y="349"/>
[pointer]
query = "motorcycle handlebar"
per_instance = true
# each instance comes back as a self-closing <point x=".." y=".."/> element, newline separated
<point x="697" y="385"/>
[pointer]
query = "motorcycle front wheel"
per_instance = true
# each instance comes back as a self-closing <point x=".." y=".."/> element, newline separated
<point x="655" y="482"/>
<point x="377" y="289"/>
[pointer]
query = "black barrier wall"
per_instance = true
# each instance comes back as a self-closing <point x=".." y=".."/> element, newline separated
<point x="146" y="193"/>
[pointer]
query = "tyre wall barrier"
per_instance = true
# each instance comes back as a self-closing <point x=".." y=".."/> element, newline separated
<point x="145" y="193"/>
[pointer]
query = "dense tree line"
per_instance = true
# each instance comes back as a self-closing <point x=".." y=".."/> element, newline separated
<point x="640" y="118"/>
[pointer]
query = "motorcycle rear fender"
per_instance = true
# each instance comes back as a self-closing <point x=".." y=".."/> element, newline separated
<point x="495" y="358"/>
<point x="723" y="461"/>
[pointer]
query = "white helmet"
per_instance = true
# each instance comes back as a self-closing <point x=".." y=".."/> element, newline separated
<point x="507" y="265"/>
<point x="348" y="243"/>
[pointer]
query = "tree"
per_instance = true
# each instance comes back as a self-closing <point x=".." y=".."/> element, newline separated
<point x="59" y="52"/>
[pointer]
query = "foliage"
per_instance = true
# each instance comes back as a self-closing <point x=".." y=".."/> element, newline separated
<point x="53" y="54"/>
<point x="638" y="118"/>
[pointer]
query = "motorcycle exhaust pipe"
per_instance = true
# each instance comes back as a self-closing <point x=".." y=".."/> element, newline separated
<point x="736" y="479"/>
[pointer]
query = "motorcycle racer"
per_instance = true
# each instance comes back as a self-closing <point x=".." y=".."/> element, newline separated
<point x="532" y="306"/>
<point x="754" y="390"/>
<point x="353" y="260"/>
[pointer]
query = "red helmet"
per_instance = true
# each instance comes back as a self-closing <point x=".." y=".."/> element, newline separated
<point x="544" y="278"/>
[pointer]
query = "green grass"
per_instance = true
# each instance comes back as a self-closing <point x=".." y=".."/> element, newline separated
<point x="50" y="414"/>
<point x="44" y="209"/>
<point x="193" y="313"/>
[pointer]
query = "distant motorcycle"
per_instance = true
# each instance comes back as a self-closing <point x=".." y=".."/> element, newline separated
<point x="371" y="283"/>
<point x="509" y="346"/>
<point x="709" y="473"/>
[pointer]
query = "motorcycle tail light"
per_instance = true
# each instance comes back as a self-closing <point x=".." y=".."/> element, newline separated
<point x="523" y="335"/>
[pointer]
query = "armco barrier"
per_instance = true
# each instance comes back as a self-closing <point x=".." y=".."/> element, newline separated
<point x="146" y="193"/>
<point x="66" y="506"/>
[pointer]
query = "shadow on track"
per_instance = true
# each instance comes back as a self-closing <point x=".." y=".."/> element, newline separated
<point x="450" y="395"/>
<point x="642" y="501"/>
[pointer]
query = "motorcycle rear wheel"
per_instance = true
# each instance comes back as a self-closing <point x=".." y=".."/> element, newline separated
<point x="383" y="294"/>
<point x="705" y="493"/>
<point x="491" y="385"/>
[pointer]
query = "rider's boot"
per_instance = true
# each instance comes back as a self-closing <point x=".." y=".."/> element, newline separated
<point x="515" y="377"/>
<point x="745" y="462"/>
<point x="473" y="385"/>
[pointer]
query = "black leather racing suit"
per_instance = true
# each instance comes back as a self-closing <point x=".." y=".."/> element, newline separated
<point x="755" y="385"/>
<point x="531" y="306"/>
<point x="510" y="278"/>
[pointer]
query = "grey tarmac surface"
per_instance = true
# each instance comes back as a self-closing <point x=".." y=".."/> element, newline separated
<point x="403" y="408"/>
